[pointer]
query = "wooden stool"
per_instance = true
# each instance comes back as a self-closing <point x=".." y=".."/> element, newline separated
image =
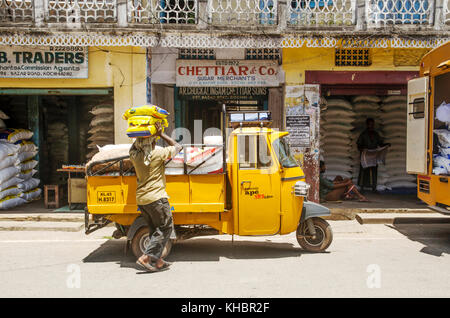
<point x="55" y="188"/>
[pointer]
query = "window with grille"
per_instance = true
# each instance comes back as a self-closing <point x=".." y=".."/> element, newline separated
<point x="262" y="54"/>
<point x="352" y="57"/>
<point x="197" y="54"/>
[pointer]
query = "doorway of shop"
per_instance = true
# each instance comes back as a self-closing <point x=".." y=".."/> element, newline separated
<point x="67" y="125"/>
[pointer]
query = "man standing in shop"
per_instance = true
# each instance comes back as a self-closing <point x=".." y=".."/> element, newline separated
<point x="369" y="139"/>
<point x="151" y="195"/>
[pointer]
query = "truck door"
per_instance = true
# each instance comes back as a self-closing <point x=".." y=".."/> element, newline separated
<point x="417" y="126"/>
<point x="259" y="187"/>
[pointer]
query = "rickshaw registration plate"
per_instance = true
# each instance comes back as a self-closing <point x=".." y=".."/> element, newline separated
<point x="106" y="197"/>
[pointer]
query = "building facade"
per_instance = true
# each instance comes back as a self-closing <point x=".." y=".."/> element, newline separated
<point x="285" y="56"/>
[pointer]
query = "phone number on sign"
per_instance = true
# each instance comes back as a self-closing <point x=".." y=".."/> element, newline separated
<point x="67" y="48"/>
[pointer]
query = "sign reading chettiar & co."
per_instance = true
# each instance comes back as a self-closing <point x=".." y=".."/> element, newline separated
<point x="44" y="62"/>
<point x="227" y="73"/>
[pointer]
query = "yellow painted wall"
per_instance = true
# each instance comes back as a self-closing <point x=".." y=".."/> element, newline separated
<point x="298" y="60"/>
<point x="122" y="68"/>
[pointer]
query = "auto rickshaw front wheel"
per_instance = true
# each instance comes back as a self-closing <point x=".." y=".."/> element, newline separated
<point x="140" y="241"/>
<point x="322" y="239"/>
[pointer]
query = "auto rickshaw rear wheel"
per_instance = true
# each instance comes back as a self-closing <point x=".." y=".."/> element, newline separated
<point x="141" y="239"/>
<point x="323" y="239"/>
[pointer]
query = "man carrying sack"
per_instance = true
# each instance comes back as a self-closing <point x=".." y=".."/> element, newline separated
<point x="151" y="194"/>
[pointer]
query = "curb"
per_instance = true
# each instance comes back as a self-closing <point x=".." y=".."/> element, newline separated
<point x="340" y="214"/>
<point x="38" y="228"/>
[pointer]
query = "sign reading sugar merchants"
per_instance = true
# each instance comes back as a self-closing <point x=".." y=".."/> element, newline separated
<point x="230" y="73"/>
<point x="44" y="62"/>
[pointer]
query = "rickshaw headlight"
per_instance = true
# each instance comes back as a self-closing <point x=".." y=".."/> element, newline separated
<point x="301" y="189"/>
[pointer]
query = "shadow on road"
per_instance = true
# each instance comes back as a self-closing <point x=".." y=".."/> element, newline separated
<point x="435" y="236"/>
<point x="198" y="250"/>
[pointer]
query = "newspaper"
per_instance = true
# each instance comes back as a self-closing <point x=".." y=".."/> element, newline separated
<point x="373" y="157"/>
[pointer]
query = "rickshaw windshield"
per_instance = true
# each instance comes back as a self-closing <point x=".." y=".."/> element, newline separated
<point x="281" y="147"/>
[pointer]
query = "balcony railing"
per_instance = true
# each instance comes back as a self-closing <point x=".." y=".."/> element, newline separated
<point x="163" y="11"/>
<point x="203" y="14"/>
<point x="242" y="12"/>
<point x="321" y="13"/>
<point x="16" y="11"/>
<point x="392" y="12"/>
<point x="73" y="11"/>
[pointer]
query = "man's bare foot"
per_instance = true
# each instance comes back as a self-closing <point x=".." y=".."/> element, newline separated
<point x="144" y="259"/>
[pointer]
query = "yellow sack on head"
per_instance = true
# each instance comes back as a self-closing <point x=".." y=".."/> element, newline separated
<point x="146" y="110"/>
<point x="141" y="131"/>
<point x="146" y="120"/>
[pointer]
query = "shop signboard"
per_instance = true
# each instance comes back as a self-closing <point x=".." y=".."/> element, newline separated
<point x="227" y="73"/>
<point x="223" y="93"/>
<point x="43" y="62"/>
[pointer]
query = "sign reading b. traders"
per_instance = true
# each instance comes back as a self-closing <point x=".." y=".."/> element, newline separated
<point x="44" y="62"/>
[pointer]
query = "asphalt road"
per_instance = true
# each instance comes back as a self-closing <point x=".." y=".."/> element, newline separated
<point x="363" y="261"/>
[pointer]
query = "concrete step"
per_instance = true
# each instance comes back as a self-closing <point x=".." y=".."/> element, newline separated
<point x="401" y="218"/>
<point x="43" y="217"/>
<point x="41" y="226"/>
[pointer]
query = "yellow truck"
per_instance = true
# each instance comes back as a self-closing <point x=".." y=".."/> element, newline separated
<point x="428" y="135"/>
<point x="260" y="190"/>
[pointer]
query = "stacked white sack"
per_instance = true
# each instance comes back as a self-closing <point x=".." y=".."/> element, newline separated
<point x="9" y="172"/>
<point x="101" y="128"/>
<point x="441" y="160"/>
<point x="336" y="141"/>
<point x="394" y="128"/>
<point x="211" y="156"/>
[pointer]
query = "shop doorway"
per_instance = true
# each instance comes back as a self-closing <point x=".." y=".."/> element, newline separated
<point x="67" y="126"/>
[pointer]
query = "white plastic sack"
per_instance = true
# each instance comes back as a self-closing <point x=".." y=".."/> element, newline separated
<point x="12" y="135"/>
<point x="444" y="152"/>
<point x="9" y="161"/>
<point x="439" y="171"/>
<point x="366" y="98"/>
<point x="443" y="113"/>
<point x="11" y="202"/>
<point x="9" y="183"/>
<point x="401" y="184"/>
<point x="174" y="171"/>
<point x="11" y="191"/>
<point x="7" y="149"/>
<point x="25" y="156"/>
<point x="394" y="99"/>
<point x="8" y="173"/>
<point x="102" y="109"/>
<point x="26" y="174"/>
<point x="102" y="120"/>
<point x="439" y="161"/>
<point x="338" y="103"/>
<point x="29" y="164"/>
<point x="31" y="195"/>
<point x="28" y="184"/>
<point x="443" y="136"/>
<point x="26" y="146"/>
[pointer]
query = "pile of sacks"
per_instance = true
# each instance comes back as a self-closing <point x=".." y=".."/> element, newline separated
<point x="206" y="160"/>
<point x="394" y="128"/>
<point x="336" y="138"/>
<point x="142" y="120"/>
<point x="17" y="185"/>
<point x="441" y="160"/>
<point x="101" y="128"/>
